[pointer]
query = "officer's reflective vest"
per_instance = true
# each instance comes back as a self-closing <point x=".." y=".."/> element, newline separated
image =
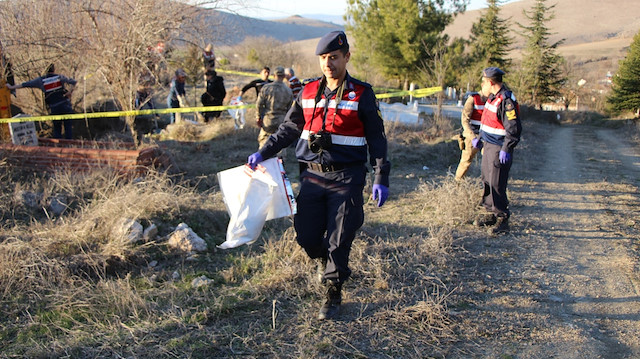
<point x="492" y="128"/>
<point x="476" y="114"/>
<point x="341" y="119"/>
<point x="53" y="90"/>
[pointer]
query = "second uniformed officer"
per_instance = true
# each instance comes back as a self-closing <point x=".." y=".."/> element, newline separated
<point x="337" y="123"/>
<point x="500" y="133"/>
<point x="471" y="116"/>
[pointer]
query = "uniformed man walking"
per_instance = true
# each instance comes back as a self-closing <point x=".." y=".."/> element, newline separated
<point x="470" y="120"/>
<point x="336" y="123"/>
<point x="499" y="134"/>
<point x="273" y="103"/>
<point x="56" y="96"/>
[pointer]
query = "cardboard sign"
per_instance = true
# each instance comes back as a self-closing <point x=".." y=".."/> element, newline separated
<point x="23" y="133"/>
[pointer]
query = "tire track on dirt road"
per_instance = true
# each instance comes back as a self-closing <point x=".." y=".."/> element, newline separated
<point x="564" y="282"/>
<point x="584" y="188"/>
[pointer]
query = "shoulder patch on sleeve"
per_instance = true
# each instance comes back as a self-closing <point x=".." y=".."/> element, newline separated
<point x="508" y="105"/>
<point x="511" y="115"/>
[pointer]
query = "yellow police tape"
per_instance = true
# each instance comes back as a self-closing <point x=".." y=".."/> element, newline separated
<point x="238" y="73"/>
<point x="76" y="116"/>
<point x="415" y="93"/>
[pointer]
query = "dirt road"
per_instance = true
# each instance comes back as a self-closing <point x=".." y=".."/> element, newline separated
<point x="565" y="282"/>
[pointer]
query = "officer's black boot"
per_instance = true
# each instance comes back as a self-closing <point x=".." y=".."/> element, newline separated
<point x="331" y="306"/>
<point x="322" y="265"/>
<point x="501" y="227"/>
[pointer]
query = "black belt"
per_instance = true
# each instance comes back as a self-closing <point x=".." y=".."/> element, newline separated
<point x="318" y="167"/>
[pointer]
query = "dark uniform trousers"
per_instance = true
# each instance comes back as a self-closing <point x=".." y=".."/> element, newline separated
<point x="329" y="215"/>
<point x="495" y="176"/>
<point x="62" y="108"/>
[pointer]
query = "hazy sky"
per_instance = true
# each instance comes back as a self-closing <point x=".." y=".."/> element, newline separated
<point x="284" y="8"/>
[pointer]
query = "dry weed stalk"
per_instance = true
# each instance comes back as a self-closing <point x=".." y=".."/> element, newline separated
<point x="450" y="202"/>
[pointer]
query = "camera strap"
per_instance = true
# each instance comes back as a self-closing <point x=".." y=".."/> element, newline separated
<point x="338" y="97"/>
<point x="323" y="84"/>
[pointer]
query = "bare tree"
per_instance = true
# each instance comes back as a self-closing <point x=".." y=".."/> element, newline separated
<point x="435" y="69"/>
<point x="106" y="43"/>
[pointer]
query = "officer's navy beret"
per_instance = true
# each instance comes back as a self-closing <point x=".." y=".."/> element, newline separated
<point x="332" y="41"/>
<point x="492" y="72"/>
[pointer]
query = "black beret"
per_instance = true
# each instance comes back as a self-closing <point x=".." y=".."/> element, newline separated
<point x="492" y="72"/>
<point x="332" y="41"/>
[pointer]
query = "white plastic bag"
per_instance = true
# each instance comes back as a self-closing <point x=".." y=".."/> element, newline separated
<point x="237" y="113"/>
<point x="253" y="197"/>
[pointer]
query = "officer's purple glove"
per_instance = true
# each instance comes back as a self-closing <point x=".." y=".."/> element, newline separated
<point x="476" y="143"/>
<point x="380" y="193"/>
<point x="505" y="157"/>
<point x="254" y="159"/>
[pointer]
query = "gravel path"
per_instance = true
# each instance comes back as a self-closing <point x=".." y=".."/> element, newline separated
<point x="565" y="282"/>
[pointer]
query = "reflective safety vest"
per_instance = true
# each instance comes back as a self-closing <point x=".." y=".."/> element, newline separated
<point x="476" y="114"/>
<point x="53" y="90"/>
<point x="341" y="119"/>
<point x="491" y="124"/>
<point x="492" y="129"/>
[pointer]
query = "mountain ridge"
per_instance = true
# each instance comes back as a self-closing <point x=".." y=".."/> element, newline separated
<point x="233" y="29"/>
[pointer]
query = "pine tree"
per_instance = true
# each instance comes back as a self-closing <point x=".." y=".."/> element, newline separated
<point x="625" y="94"/>
<point x="490" y="40"/>
<point x="542" y="65"/>
<point x="395" y="36"/>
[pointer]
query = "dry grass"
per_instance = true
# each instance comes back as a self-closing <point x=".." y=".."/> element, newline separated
<point x="70" y="287"/>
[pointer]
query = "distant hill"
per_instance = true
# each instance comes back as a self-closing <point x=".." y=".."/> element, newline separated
<point x="576" y="21"/>
<point x="235" y="28"/>
<point x="596" y="33"/>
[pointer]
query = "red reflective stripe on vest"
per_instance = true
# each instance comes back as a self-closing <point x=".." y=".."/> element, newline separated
<point x="478" y="108"/>
<point x="490" y="121"/>
<point x="344" y="121"/>
<point x="52" y="83"/>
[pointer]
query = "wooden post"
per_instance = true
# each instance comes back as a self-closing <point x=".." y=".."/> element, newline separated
<point x="5" y="101"/>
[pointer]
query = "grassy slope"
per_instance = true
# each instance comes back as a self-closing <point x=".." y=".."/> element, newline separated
<point x="70" y="287"/>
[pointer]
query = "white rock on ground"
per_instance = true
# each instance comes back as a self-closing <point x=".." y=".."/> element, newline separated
<point x="129" y="230"/>
<point x="150" y="233"/>
<point x="201" y="281"/>
<point x="185" y="239"/>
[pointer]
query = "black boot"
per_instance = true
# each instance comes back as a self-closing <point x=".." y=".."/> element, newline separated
<point x="322" y="265"/>
<point x="331" y="306"/>
<point x="501" y="227"/>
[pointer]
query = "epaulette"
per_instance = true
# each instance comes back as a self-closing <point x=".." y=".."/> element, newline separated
<point x="359" y="82"/>
<point x="306" y="81"/>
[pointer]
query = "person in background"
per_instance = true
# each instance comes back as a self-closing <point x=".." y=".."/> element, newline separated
<point x="214" y="94"/>
<point x="500" y="131"/>
<point x="294" y="84"/>
<point x="471" y="116"/>
<point x="177" y="94"/>
<point x="144" y="101"/>
<point x="257" y="83"/>
<point x="208" y="58"/>
<point x="338" y="126"/>
<point x="273" y="103"/>
<point x="57" y="96"/>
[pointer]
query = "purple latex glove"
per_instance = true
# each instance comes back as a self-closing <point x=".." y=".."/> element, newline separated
<point x="505" y="157"/>
<point x="476" y="143"/>
<point x="380" y="193"/>
<point x="254" y="159"/>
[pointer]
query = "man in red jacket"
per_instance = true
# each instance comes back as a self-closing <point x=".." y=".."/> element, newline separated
<point x="471" y="116"/>
<point x="499" y="134"/>
<point x="337" y="125"/>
